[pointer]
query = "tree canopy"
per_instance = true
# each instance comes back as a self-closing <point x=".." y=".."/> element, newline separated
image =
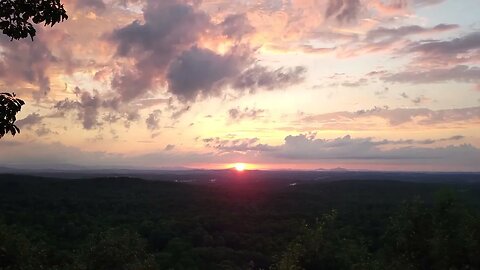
<point x="10" y="105"/>
<point x="16" y="16"/>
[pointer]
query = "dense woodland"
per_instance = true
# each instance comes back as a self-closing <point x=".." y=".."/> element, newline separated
<point x="122" y="223"/>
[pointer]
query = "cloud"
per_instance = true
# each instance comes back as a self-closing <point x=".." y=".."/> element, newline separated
<point x="237" y="145"/>
<point x="169" y="28"/>
<point x="343" y="10"/>
<point x="28" y="62"/>
<point x="236" y="26"/>
<point x="427" y="2"/>
<point x="97" y="5"/>
<point x="59" y="156"/>
<point x="312" y="144"/>
<point x="401" y="7"/>
<point x="382" y="93"/>
<point x="44" y="131"/>
<point x="89" y="107"/>
<point x="89" y="112"/>
<point x="260" y="77"/>
<point x="460" y="73"/>
<point x="153" y="120"/>
<point x="305" y="147"/>
<point x="237" y="114"/>
<point x="169" y="48"/>
<point x="418" y="100"/>
<point x="7" y="143"/>
<point x="354" y="84"/>
<point x="177" y="113"/>
<point x="35" y="121"/>
<point x="169" y="147"/>
<point x="424" y="142"/>
<point x="382" y="39"/>
<point x="201" y="72"/>
<point x="204" y="73"/>
<point x="346" y="149"/>
<point x="403" y="31"/>
<point x="50" y="154"/>
<point x="29" y="121"/>
<point x="311" y="49"/>
<point x="459" y="50"/>
<point x="395" y="117"/>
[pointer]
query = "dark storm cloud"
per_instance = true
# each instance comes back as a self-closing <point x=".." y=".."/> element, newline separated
<point x="343" y="10"/>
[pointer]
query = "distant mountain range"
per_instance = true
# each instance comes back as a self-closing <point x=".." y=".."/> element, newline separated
<point x="338" y="169"/>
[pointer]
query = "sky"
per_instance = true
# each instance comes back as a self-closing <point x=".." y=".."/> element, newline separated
<point x="275" y="84"/>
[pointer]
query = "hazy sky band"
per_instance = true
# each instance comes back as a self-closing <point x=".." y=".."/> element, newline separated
<point x="281" y="84"/>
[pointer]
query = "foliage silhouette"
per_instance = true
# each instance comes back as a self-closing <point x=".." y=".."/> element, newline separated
<point x="16" y="16"/>
<point x="10" y="105"/>
<point x="16" y="21"/>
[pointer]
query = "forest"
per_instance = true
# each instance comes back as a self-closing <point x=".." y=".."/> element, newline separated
<point x="127" y="223"/>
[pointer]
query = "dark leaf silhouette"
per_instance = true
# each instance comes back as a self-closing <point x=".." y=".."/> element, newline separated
<point x="17" y="16"/>
<point x="10" y="105"/>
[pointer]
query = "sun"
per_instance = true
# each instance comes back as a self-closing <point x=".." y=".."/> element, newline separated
<point x="240" y="167"/>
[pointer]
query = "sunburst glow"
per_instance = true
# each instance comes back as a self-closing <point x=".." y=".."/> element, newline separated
<point x="240" y="167"/>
